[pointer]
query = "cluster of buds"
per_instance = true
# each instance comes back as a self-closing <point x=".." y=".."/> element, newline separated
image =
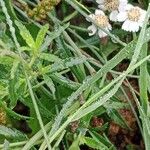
<point x="119" y="11"/>
<point x="40" y="11"/>
<point x="2" y="116"/>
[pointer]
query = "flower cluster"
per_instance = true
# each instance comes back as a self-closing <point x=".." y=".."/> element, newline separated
<point x="119" y="11"/>
<point x="40" y="11"/>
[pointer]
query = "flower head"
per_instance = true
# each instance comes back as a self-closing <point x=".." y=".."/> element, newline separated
<point x="113" y="6"/>
<point x="133" y="18"/>
<point x="101" y="20"/>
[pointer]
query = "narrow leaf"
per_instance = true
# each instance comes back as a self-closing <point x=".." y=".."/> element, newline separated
<point x="12" y="133"/>
<point x="25" y="34"/>
<point x="12" y="92"/>
<point x="67" y="63"/>
<point x="94" y="144"/>
<point x="14" y="68"/>
<point x="41" y="35"/>
<point x="49" y="57"/>
<point x="49" y="83"/>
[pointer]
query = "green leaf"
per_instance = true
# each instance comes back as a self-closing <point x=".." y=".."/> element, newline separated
<point x="12" y="133"/>
<point x="10" y="8"/>
<point x="78" y="71"/>
<point x="65" y="81"/>
<point x="94" y="144"/>
<point x="70" y="62"/>
<point x="12" y="113"/>
<point x="143" y="81"/>
<point x="41" y="35"/>
<point x="5" y="60"/>
<point x="14" y="69"/>
<point x="34" y="123"/>
<point x="98" y="137"/>
<point x="54" y="35"/>
<point x="75" y="144"/>
<point x="49" y="83"/>
<point x="6" y="145"/>
<point x="26" y="34"/>
<point x="102" y="100"/>
<point x="25" y="48"/>
<point x="115" y="105"/>
<point x="115" y="116"/>
<point x="13" y="92"/>
<point x="49" y="57"/>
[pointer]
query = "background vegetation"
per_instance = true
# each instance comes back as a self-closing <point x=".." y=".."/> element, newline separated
<point x="61" y="89"/>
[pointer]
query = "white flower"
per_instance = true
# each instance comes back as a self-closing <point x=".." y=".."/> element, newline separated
<point x="133" y="18"/>
<point x="101" y="20"/>
<point x="113" y="6"/>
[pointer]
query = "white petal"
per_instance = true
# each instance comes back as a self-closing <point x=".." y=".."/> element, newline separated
<point x="130" y="26"/>
<point x="109" y="27"/>
<point x="123" y="1"/>
<point x="122" y="16"/>
<point x="100" y="1"/>
<point x="125" y="25"/>
<point x="143" y="14"/>
<point x="122" y="5"/>
<point x="134" y="26"/>
<point x="99" y="12"/>
<point x="113" y="15"/>
<point x="92" y="30"/>
<point x="129" y="6"/>
<point x="140" y="23"/>
<point x="92" y="16"/>
<point x="101" y="33"/>
<point x="102" y="7"/>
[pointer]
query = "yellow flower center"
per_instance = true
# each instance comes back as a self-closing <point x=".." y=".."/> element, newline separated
<point x="111" y="5"/>
<point x="134" y="14"/>
<point x="101" y="20"/>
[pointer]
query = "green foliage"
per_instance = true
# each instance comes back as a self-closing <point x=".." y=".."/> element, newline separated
<point x="26" y="35"/>
<point x="12" y="134"/>
<point x="41" y="35"/>
<point x="63" y="78"/>
<point x="94" y="144"/>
